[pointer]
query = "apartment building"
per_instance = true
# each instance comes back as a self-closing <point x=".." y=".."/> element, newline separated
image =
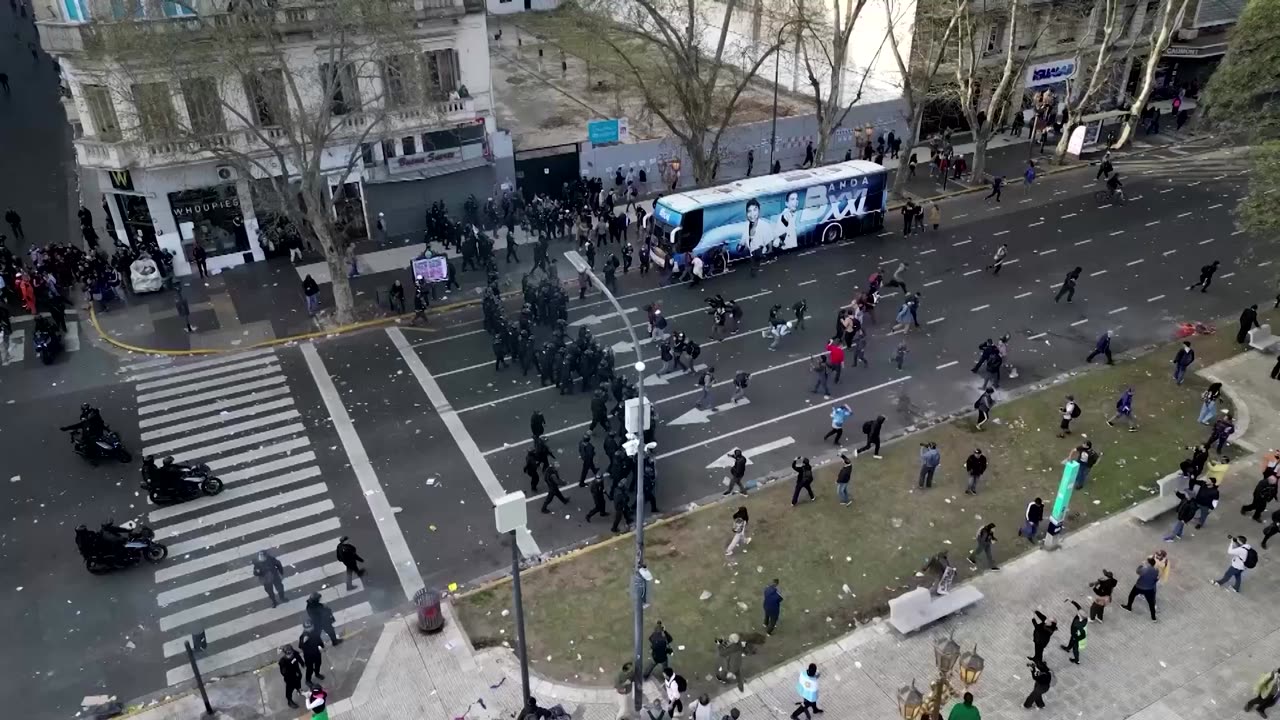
<point x="419" y="125"/>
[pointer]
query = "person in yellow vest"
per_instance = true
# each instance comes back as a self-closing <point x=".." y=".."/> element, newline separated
<point x="1264" y="693"/>
<point x="1218" y="470"/>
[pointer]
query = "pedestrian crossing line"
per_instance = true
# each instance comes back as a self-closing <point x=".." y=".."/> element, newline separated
<point x="144" y="365"/>
<point x="264" y="468"/>
<point x="1019" y="297"/>
<point x="1167" y="253"/>
<point x="258" y="453"/>
<point x="211" y="520"/>
<point x="221" y="432"/>
<point x="1085" y="242"/>
<point x="962" y="242"/>
<point x="1117" y="232"/>
<point x="1166" y="190"/>
<point x="842" y="273"/>
<point x="926" y="252"/>
<point x="206" y="451"/>
<point x="201" y="398"/>
<point x="1118" y="310"/>
<point x="17" y="346"/>
<point x="935" y="321"/>
<point x="71" y="338"/>
<point x="188" y="368"/>
<point x="1036" y="224"/>
<point x="249" y="595"/>
<point x="808" y="282"/>
<point x="219" y="416"/>
<point x="1214" y="206"/>
<point x="944" y="366"/>
<point x="242" y="573"/>
<point x="232" y="380"/>
<point x="213" y="560"/>
<point x="1264" y="264"/>
<point x="1205" y="242"/>
<point x="1237" y="232"/>
<point x="1224" y="277"/>
<point x="1182" y="215"/>
<point x="1079" y="322"/>
<point x="1193" y="184"/>
<point x="980" y="307"/>
<point x="294" y="607"/>
<point x="1050" y="251"/>
<point x="260" y="525"/>
<point x="176" y="379"/>
<point x="1069" y="215"/>
<point x="999" y="233"/>
<point x="1096" y="274"/>
<point x="931" y="283"/>
<point x="1037" y="336"/>
<point x="261" y="645"/>
<point x="237" y="493"/>
<point x="973" y="272"/>
<point x="1153" y="222"/>
<point x="1131" y="263"/>
<point x="1011" y="262"/>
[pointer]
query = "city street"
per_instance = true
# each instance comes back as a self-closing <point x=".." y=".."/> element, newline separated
<point x="1138" y="261"/>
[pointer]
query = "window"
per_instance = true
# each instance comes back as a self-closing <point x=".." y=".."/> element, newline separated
<point x="388" y="149"/>
<point x="410" y="145"/>
<point x="441" y="70"/>
<point x="995" y="41"/>
<point x="366" y="154"/>
<point x="399" y="80"/>
<point x="102" y="112"/>
<point x="203" y="106"/>
<point x="154" y="102"/>
<point x="265" y="92"/>
<point x="344" y="92"/>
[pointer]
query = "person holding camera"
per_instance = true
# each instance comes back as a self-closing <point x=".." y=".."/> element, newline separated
<point x="1043" y="679"/>
<point x="1243" y="557"/>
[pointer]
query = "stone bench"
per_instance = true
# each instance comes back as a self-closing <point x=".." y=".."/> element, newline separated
<point x="913" y="610"/>
<point x="1260" y="338"/>
<point x="1166" y="501"/>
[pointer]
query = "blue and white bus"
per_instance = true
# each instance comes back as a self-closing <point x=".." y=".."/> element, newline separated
<point x="771" y="214"/>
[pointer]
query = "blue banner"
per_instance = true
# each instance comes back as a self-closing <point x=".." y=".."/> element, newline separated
<point x="602" y="132"/>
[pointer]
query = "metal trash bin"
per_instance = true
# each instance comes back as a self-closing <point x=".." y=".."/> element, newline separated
<point x="430" y="619"/>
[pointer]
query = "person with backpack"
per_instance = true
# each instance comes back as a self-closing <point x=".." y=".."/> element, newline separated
<point x="871" y="429"/>
<point x="737" y="472"/>
<point x="1243" y="557"/>
<point x="1124" y="411"/>
<point x="1185" y="512"/>
<point x="1070" y="411"/>
<point x="839" y="414"/>
<point x="740" y="380"/>
<point x="974" y="466"/>
<point x="675" y="686"/>
<point x="983" y="406"/>
<point x="705" y="381"/>
<point x="659" y="649"/>
<point x="1086" y="457"/>
<point x="985" y="538"/>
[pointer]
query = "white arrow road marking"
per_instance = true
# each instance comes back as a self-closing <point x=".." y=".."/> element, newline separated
<point x="698" y="417"/>
<point x="597" y="319"/>
<point x="725" y="461"/>
<point x="656" y="379"/>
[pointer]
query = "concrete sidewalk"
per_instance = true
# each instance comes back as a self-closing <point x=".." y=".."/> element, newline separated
<point x="1198" y="663"/>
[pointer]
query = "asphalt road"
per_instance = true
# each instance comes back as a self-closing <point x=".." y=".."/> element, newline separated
<point x="1137" y="260"/>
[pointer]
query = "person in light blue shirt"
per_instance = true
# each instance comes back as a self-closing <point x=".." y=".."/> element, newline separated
<point x="807" y="688"/>
<point x="930" y="459"/>
<point x="839" y="414"/>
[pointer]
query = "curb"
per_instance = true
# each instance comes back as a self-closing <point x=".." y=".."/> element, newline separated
<point x="342" y="330"/>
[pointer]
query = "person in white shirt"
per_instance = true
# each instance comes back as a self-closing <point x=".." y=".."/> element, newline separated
<point x="1070" y="410"/>
<point x="702" y="708"/>
<point x="1240" y="553"/>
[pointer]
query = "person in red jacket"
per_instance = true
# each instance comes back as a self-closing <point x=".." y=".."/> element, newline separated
<point x="835" y="356"/>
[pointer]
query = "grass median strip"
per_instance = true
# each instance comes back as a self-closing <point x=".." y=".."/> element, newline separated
<point x="839" y="566"/>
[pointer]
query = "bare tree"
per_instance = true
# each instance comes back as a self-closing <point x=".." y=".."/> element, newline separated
<point x="824" y="48"/>
<point x="678" y="53"/>
<point x="982" y="89"/>
<point x="935" y="22"/>
<point x="1168" y="14"/>
<point x="300" y="105"/>
<point x="1094" y="65"/>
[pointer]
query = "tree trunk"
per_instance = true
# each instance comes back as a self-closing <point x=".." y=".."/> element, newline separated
<point x="980" y="141"/>
<point x="824" y="138"/>
<point x="1158" y="45"/>
<point x="1060" y="150"/>
<point x="336" y="257"/>
<point x="908" y="147"/>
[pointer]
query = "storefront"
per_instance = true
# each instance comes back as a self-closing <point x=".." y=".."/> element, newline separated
<point x="210" y="217"/>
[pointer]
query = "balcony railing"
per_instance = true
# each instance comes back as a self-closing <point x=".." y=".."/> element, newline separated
<point x="60" y="38"/>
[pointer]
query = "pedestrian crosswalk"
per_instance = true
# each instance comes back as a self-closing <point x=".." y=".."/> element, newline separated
<point x="238" y="415"/>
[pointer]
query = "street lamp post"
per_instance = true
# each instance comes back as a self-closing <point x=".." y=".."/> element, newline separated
<point x="511" y="515"/>
<point x="777" y="60"/>
<point x="638" y="582"/>
<point x="968" y="666"/>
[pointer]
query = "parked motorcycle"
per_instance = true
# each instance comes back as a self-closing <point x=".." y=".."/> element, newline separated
<point x="107" y="447"/>
<point x="189" y="482"/>
<point x="116" y="547"/>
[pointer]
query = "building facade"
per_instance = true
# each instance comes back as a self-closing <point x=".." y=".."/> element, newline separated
<point x="416" y="129"/>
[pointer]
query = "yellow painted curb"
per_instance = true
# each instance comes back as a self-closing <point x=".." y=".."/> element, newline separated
<point x="93" y="319"/>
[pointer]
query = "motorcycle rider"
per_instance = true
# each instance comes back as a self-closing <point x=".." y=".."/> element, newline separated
<point x="91" y="427"/>
<point x="162" y="480"/>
